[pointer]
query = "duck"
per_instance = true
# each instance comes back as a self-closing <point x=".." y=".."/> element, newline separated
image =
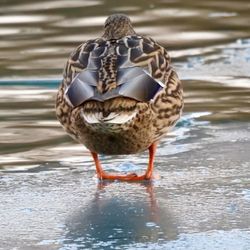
<point x="119" y="95"/>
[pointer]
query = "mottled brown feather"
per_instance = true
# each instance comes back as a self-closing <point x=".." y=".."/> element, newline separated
<point x="153" y="119"/>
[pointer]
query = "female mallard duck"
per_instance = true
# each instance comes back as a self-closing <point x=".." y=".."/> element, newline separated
<point x="119" y="95"/>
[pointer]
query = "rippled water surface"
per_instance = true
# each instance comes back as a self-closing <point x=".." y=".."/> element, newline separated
<point x="50" y="197"/>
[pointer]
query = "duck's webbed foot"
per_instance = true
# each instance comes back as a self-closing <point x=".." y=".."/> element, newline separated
<point x="102" y="175"/>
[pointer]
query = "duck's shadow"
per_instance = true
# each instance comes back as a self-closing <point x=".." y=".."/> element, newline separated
<point x="120" y="217"/>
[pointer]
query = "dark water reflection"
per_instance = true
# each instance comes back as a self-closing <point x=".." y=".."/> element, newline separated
<point x="49" y="195"/>
<point x="114" y="220"/>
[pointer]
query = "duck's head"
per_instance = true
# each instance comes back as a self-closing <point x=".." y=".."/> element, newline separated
<point x="117" y="26"/>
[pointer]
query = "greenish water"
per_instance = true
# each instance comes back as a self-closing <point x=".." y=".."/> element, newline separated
<point x="50" y="198"/>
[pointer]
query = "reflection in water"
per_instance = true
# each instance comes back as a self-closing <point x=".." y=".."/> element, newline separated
<point x="114" y="219"/>
<point x="38" y="36"/>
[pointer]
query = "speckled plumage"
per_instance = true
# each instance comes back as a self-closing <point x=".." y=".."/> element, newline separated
<point x="146" y="122"/>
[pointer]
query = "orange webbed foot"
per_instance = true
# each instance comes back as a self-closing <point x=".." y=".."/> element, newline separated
<point x="129" y="177"/>
<point x="102" y="175"/>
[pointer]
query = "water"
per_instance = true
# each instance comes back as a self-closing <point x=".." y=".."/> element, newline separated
<point x="50" y="197"/>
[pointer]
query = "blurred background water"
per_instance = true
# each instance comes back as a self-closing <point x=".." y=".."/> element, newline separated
<point x="50" y="198"/>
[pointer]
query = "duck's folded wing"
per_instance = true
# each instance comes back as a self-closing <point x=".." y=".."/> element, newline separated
<point x="133" y="82"/>
<point x="142" y="68"/>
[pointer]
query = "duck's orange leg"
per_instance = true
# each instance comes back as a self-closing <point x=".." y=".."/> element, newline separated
<point x="102" y="175"/>
<point x="149" y="172"/>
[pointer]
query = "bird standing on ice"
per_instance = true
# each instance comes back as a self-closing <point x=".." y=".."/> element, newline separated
<point x="119" y="95"/>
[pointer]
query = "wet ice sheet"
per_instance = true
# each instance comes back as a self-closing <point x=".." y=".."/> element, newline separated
<point x="229" y="240"/>
<point x="50" y="198"/>
<point x="201" y="200"/>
